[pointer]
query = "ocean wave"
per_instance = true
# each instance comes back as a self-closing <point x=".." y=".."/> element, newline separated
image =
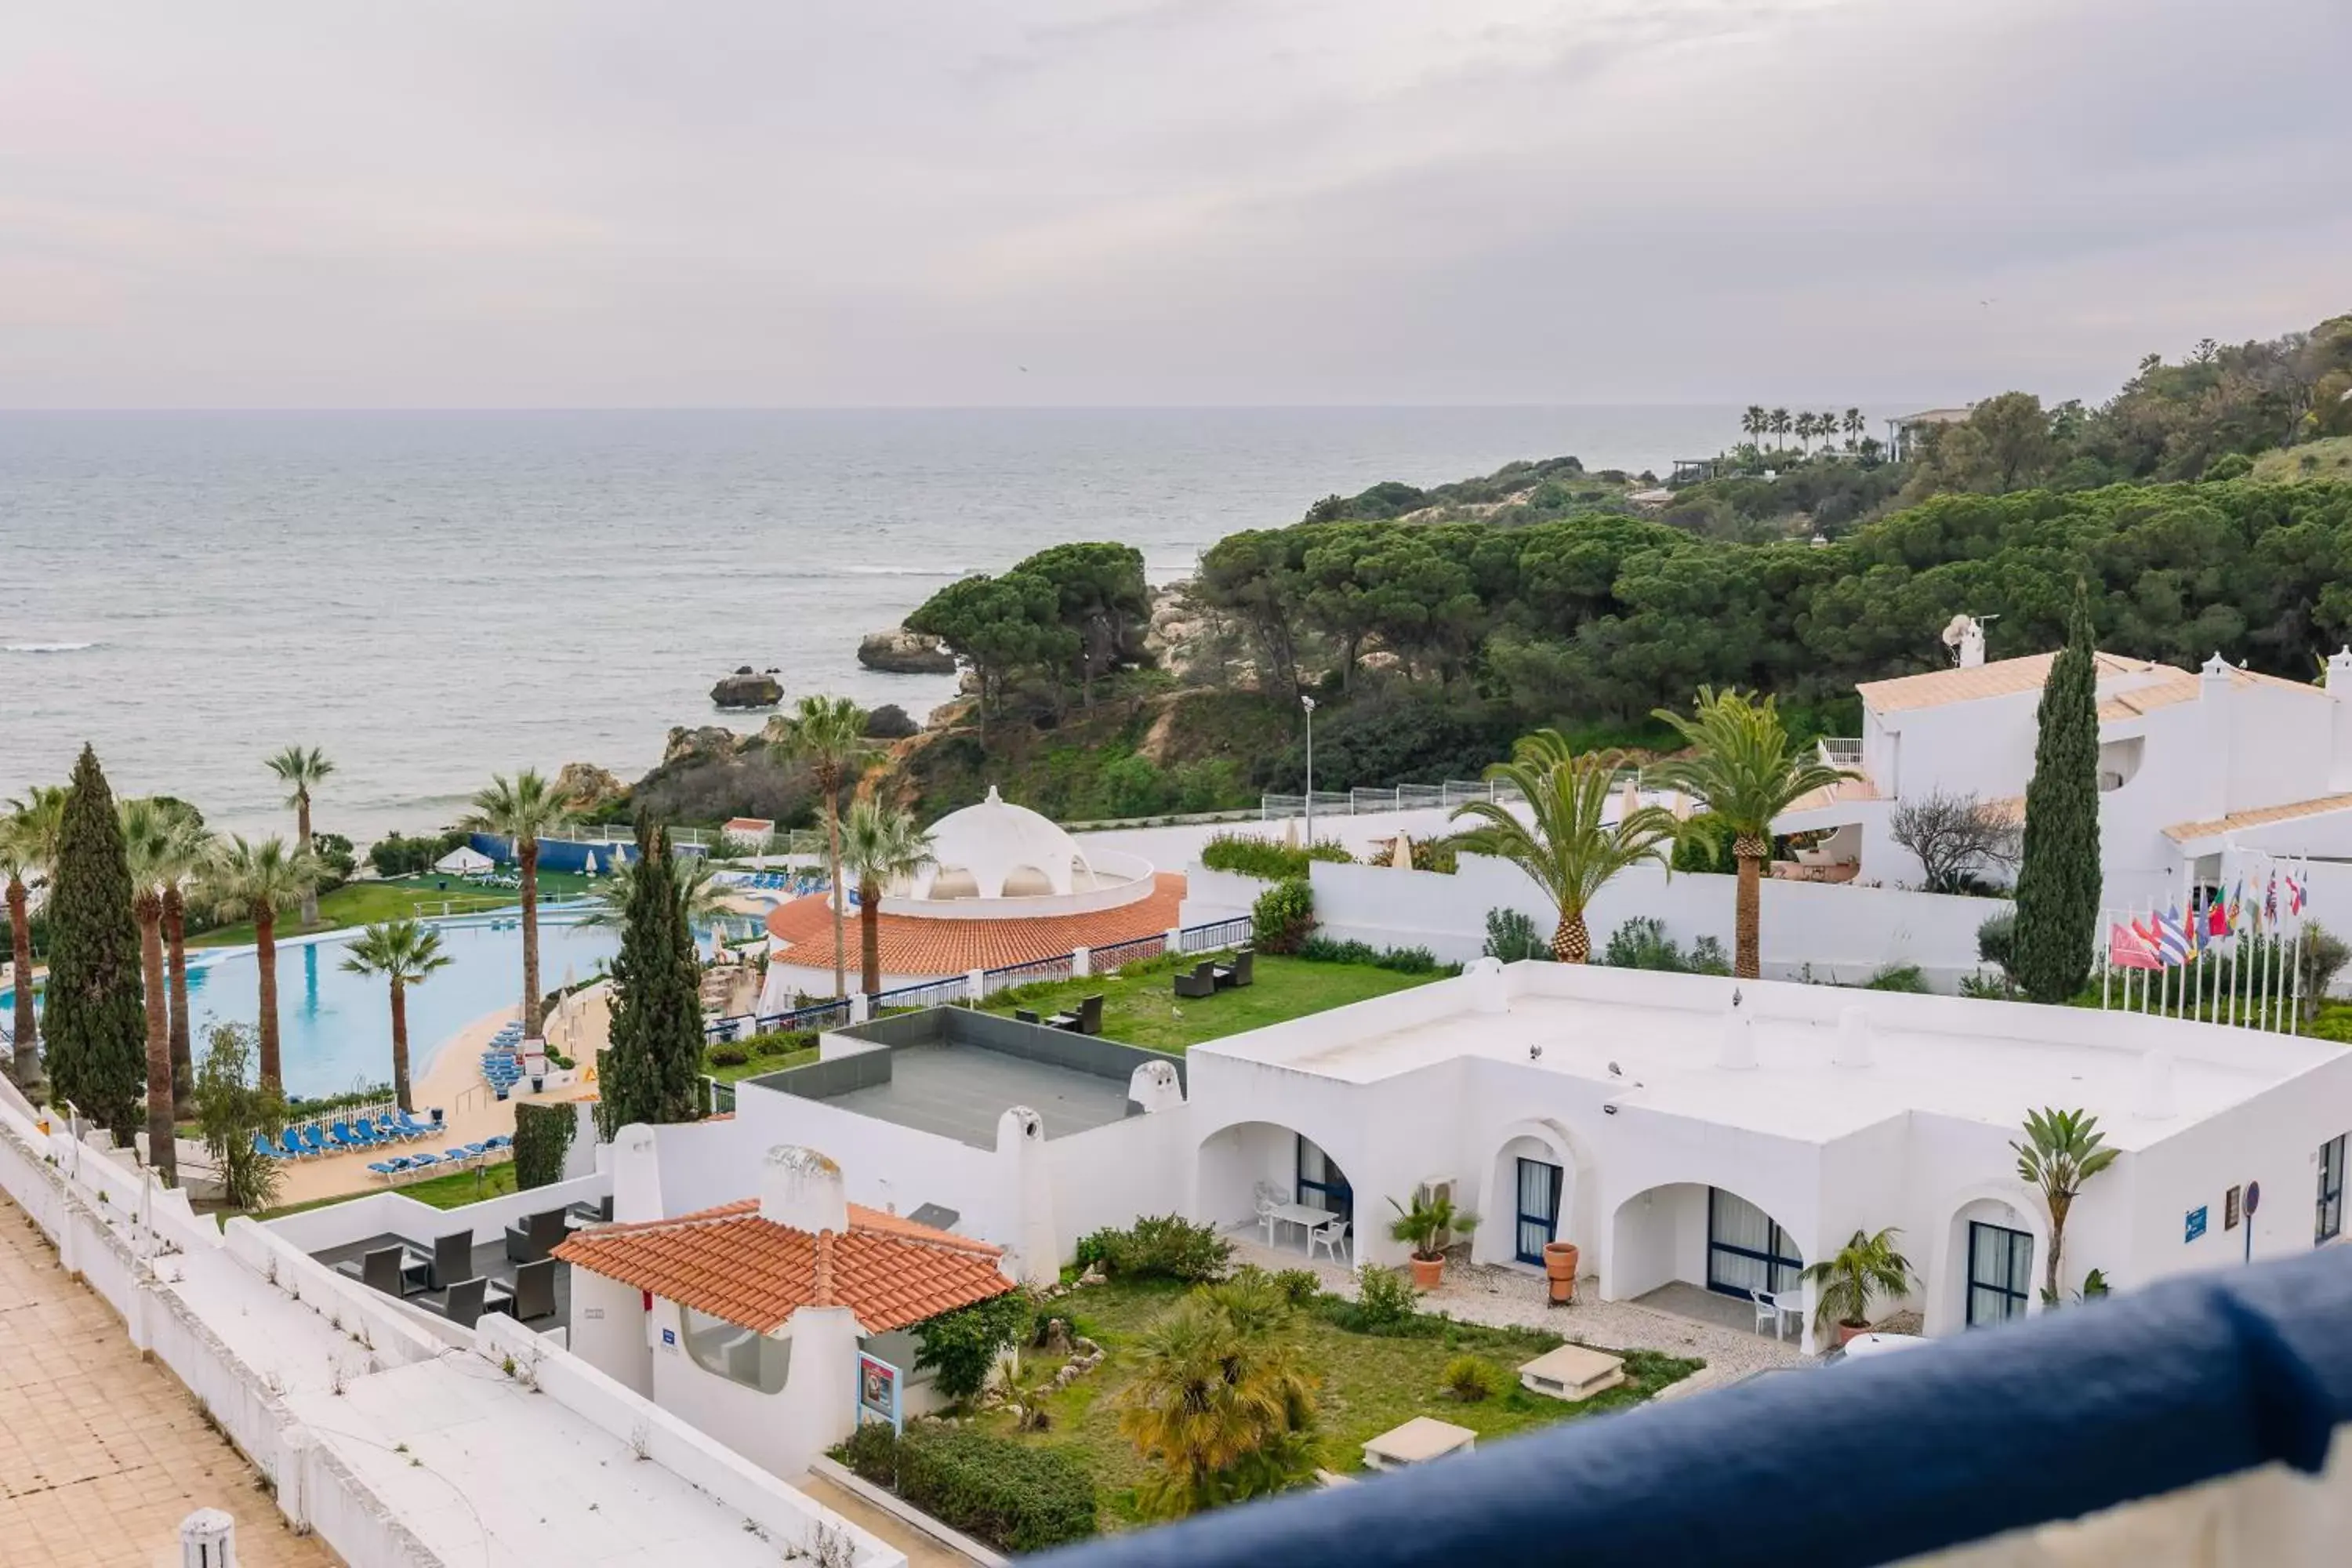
<point x="904" y="570"/>
<point x="46" y="646"/>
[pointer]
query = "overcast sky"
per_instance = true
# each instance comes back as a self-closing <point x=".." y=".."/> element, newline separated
<point x="349" y="203"/>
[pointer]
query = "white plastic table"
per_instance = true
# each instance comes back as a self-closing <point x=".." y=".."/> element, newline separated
<point x="1299" y="1214"/>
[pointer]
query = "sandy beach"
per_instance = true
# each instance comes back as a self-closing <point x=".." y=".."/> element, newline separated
<point x="454" y="1085"/>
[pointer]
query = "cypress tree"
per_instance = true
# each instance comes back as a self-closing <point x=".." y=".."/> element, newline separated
<point x="655" y="1057"/>
<point x="96" y="1022"/>
<point x="2058" y="878"/>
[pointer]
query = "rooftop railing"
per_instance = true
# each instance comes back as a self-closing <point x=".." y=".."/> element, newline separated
<point x="2135" y="1399"/>
<point x="1841" y="752"/>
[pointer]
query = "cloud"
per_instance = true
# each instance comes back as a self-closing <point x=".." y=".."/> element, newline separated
<point x="1234" y="201"/>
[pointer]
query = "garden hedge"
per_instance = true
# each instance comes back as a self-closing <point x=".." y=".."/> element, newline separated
<point x="1009" y="1494"/>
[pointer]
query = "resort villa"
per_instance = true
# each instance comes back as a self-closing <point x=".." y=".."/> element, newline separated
<point x="1005" y="887"/>
<point x="2199" y="773"/>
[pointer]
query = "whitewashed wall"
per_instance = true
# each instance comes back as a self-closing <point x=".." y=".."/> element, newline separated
<point x="1844" y="934"/>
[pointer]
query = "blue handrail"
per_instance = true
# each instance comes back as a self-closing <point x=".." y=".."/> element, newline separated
<point x="2191" y="1379"/>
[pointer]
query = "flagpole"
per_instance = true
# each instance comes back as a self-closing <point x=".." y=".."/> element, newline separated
<point x="2302" y="895"/>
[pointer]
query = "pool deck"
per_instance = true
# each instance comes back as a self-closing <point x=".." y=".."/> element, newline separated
<point x="454" y="1084"/>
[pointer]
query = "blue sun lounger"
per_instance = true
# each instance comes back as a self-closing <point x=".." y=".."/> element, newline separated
<point x="312" y="1142"/>
<point x="388" y="1169"/>
<point x="262" y="1145"/>
<point x="421" y="1162"/>
<point x="289" y="1145"/>
<point x="344" y="1139"/>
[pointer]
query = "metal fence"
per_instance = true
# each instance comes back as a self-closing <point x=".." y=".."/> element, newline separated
<point x="1841" y="751"/>
<point x="1117" y="955"/>
<point x="1216" y="935"/>
<point x="1036" y="970"/>
<point x="930" y="993"/>
<point x="1397" y="797"/>
<point x="829" y="1015"/>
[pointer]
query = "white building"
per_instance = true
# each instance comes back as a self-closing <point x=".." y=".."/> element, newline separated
<point x="1724" y="1133"/>
<point x="2193" y="768"/>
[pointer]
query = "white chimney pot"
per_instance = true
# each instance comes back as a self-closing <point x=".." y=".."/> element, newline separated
<point x="802" y="1189"/>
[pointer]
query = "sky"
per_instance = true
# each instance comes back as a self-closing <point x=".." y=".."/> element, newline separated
<point x="861" y="202"/>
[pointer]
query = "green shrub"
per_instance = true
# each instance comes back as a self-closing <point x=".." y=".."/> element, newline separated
<point x="1298" y="1286"/>
<point x="395" y="854"/>
<point x="1641" y="943"/>
<point x="2229" y="466"/>
<point x="1897" y="977"/>
<point x="777" y="1043"/>
<point x="1014" y="1496"/>
<point x="1270" y="859"/>
<point x="1511" y="935"/>
<point x="728" y="1055"/>
<point x="1471" y="1379"/>
<point x="1384" y="1304"/>
<point x="1403" y="960"/>
<point x="1160" y="1247"/>
<point x="1284" y="916"/>
<point x="872" y="1454"/>
<point x="542" y="1136"/>
<point x="1705" y="844"/>
<point x="964" y="1344"/>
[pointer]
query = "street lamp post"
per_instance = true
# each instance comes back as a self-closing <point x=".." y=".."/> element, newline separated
<point x="1308" y="703"/>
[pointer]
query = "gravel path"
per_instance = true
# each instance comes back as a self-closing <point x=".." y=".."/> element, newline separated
<point x="1517" y="1298"/>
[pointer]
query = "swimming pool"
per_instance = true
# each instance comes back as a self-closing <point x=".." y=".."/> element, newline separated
<point x="335" y="1027"/>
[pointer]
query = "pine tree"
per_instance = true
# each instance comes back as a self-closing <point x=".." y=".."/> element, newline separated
<point x="650" y="1067"/>
<point x="96" y="1021"/>
<point x="2058" y="878"/>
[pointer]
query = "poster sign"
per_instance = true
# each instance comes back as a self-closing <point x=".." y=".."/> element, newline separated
<point x="2253" y="1198"/>
<point x="2196" y="1226"/>
<point x="878" y="1391"/>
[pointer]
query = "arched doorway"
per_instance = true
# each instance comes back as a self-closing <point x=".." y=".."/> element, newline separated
<point x="1702" y="1238"/>
<point x="1251" y="1168"/>
<point x="1537" y="1188"/>
<point x="1988" y="1259"/>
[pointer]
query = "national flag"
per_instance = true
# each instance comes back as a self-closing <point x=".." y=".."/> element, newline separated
<point x="2295" y="891"/>
<point x="2270" y="901"/>
<point x="2172" y="936"/>
<point x="2127" y="950"/>
<point x="2237" y="903"/>
<point x="2217" y="918"/>
<point x="2147" y="931"/>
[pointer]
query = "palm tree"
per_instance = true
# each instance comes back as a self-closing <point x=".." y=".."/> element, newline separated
<point x="406" y="955"/>
<point x="699" y="896"/>
<point x="303" y="770"/>
<point x="28" y="854"/>
<point x="1779" y="419"/>
<point x="2063" y="1150"/>
<point x="1223" y="1404"/>
<point x="1854" y="426"/>
<point x="1805" y="426"/>
<point x="149" y="840"/>
<point x="829" y="734"/>
<point x="257" y="882"/>
<point x="179" y="874"/>
<point x="1746" y="771"/>
<point x="1565" y="845"/>
<point x="1754" y="423"/>
<point x="520" y="810"/>
<point x="1865" y="1266"/>
<point x="879" y="846"/>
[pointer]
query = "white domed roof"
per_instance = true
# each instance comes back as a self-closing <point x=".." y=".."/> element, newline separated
<point x="996" y="850"/>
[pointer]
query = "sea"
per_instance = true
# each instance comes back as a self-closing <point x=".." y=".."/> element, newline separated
<point x="432" y="597"/>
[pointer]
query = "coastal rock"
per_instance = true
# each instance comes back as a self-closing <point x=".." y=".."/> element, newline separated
<point x="901" y="652"/>
<point x="708" y="741"/>
<point x="585" y="787"/>
<point x="890" y="723"/>
<point x="746" y="689"/>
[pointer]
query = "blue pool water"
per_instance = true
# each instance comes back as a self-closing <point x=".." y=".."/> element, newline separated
<point x="335" y="1027"/>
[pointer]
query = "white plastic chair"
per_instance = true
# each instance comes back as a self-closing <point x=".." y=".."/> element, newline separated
<point x="1269" y="1198"/>
<point x="1771" y="1304"/>
<point x="1331" y="1238"/>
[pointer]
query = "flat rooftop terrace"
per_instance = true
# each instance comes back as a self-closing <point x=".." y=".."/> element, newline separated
<point x="954" y="1072"/>
<point x="1984" y="1061"/>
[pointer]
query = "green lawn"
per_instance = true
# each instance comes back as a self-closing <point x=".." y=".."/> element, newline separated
<point x="1141" y="1008"/>
<point x="364" y="903"/>
<point x="1368" y="1385"/>
<point x="2328" y="458"/>
<point x="732" y="1072"/>
<point x="453" y="1190"/>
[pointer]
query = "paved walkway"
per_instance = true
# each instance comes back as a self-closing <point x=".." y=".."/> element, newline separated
<point x="922" y="1550"/>
<point x="102" y="1455"/>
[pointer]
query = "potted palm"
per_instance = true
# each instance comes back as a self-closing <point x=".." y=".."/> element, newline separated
<point x="1865" y="1266"/>
<point x="1426" y="1227"/>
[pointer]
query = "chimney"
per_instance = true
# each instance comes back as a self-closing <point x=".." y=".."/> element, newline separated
<point x="1971" y="644"/>
<point x="2338" y="681"/>
<point x="1852" y="1038"/>
<point x="1490" y="990"/>
<point x="800" y="1189"/>
<point x="2156" y="1101"/>
<point x="636" y="1175"/>
<point x="1737" y="1053"/>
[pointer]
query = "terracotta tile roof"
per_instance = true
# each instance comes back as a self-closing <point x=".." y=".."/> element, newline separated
<point x="915" y="945"/>
<point x="731" y="1264"/>
<point x="1843" y="792"/>
<point x="2182" y="685"/>
<point x="2002" y="678"/>
<point x="2182" y="832"/>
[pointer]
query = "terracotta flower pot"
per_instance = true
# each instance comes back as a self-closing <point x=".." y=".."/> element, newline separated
<point x="1427" y="1272"/>
<point x="1849" y="1332"/>
<point x="1559" y="1268"/>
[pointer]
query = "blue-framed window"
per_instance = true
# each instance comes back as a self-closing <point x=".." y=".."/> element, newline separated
<point x="1746" y="1247"/>
<point x="1321" y="1184"/>
<point x="2331" y="1191"/>
<point x="2001" y="1273"/>
<point x="1540" y="1182"/>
